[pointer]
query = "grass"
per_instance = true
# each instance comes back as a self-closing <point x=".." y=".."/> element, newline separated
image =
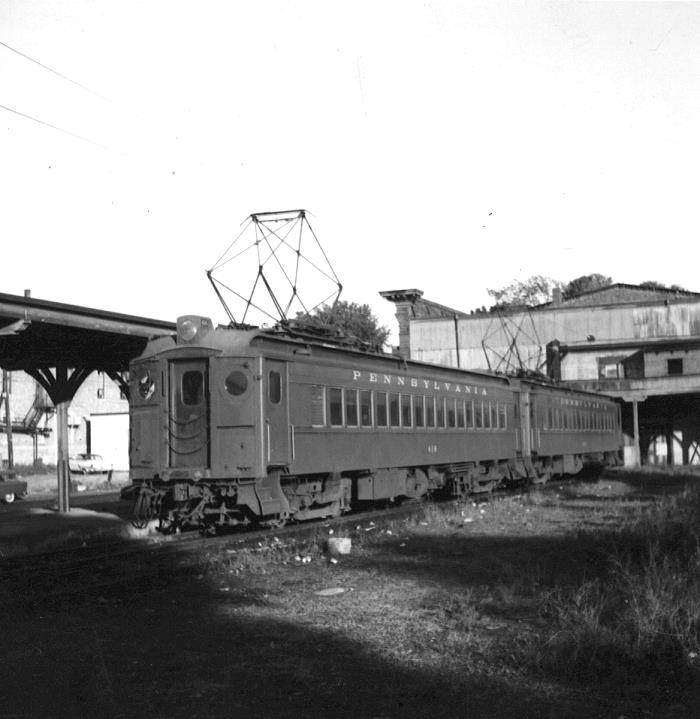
<point x="536" y="587"/>
<point x="580" y="600"/>
<point x="637" y="623"/>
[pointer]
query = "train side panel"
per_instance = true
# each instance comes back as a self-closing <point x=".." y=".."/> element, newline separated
<point x="350" y="417"/>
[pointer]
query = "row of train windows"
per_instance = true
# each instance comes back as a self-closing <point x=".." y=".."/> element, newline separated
<point x="339" y="407"/>
<point x="576" y="419"/>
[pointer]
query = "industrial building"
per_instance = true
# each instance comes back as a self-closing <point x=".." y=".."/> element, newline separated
<point x="98" y="421"/>
<point x="640" y="345"/>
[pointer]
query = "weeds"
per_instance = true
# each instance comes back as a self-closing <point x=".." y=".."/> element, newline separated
<point x="639" y="622"/>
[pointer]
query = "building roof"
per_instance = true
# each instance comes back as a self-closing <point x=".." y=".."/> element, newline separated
<point x="620" y="293"/>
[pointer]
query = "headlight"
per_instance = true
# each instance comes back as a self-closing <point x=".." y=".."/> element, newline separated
<point x="192" y="328"/>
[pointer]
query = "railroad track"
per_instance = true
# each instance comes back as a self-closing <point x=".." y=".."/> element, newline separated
<point x="92" y="570"/>
<point x="100" y="568"/>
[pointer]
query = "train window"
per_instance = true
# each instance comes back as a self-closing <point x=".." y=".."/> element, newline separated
<point x="494" y="414"/>
<point x="146" y="384"/>
<point x="460" y="414"/>
<point x="351" y="407"/>
<point x="478" y="415"/>
<point x="394" y="414"/>
<point x="192" y="387"/>
<point x="318" y="405"/>
<point x="236" y="383"/>
<point x="275" y="387"/>
<point x="406" y="410"/>
<point x="503" y="416"/>
<point x="430" y="411"/>
<point x="365" y="408"/>
<point x="470" y="414"/>
<point x="487" y="415"/>
<point x="451" y="413"/>
<point x="380" y="413"/>
<point x="440" y="411"/>
<point x="335" y="400"/>
<point x="418" y="411"/>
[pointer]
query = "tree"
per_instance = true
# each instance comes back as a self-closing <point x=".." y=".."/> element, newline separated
<point x="585" y="283"/>
<point x="654" y="285"/>
<point x="349" y="319"/>
<point x="535" y="290"/>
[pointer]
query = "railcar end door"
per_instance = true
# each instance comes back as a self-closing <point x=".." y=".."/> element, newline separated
<point x="525" y="423"/>
<point x="277" y="430"/>
<point x="188" y="420"/>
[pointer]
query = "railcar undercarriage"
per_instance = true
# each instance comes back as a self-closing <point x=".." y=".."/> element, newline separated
<point x="210" y="505"/>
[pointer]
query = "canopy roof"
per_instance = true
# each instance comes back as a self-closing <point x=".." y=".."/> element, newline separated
<point x="60" y="344"/>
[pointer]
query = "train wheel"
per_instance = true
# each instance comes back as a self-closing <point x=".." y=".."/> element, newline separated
<point x="276" y="523"/>
<point x="542" y="478"/>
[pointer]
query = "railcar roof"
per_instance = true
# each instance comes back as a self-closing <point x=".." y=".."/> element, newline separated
<point x="233" y="341"/>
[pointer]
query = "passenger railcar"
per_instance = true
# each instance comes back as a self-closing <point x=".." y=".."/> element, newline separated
<point x="237" y="425"/>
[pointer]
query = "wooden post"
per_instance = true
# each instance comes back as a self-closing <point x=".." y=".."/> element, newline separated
<point x="8" y="419"/>
<point x="669" y="444"/>
<point x="635" y="420"/>
<point x="62" y="467"/>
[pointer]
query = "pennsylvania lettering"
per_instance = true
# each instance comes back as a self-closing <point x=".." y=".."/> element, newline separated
<point x="416" y="383"/>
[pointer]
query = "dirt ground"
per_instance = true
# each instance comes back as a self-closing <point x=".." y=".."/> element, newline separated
<point x="426" y="620"/>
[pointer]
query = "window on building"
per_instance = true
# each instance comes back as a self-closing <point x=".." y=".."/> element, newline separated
<point x="609" y="371"/>
<point x="675" y="365"/>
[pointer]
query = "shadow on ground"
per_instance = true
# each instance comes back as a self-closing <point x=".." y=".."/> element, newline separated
<point x="184" y="652"/>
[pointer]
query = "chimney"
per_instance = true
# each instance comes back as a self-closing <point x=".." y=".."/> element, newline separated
<point x="556" y="296"/>
<point x="27" y="293"/>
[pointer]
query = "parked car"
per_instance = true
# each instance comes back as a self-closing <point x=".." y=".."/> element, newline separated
<point x="87" y="463"/>
<point x="11" y="488"/>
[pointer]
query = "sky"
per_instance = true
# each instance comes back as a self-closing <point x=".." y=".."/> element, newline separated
<point x="446" y="146"/>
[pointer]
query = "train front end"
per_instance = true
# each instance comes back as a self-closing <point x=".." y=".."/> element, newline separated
<point x="195" y="432"/>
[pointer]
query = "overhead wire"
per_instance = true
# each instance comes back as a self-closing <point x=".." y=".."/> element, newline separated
<point x="54" y="127"/>
<point x="55" y="72"/>
<point x="63" y="77"/>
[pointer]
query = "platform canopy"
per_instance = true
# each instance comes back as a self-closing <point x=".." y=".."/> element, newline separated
<point x="60" y="345"/>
